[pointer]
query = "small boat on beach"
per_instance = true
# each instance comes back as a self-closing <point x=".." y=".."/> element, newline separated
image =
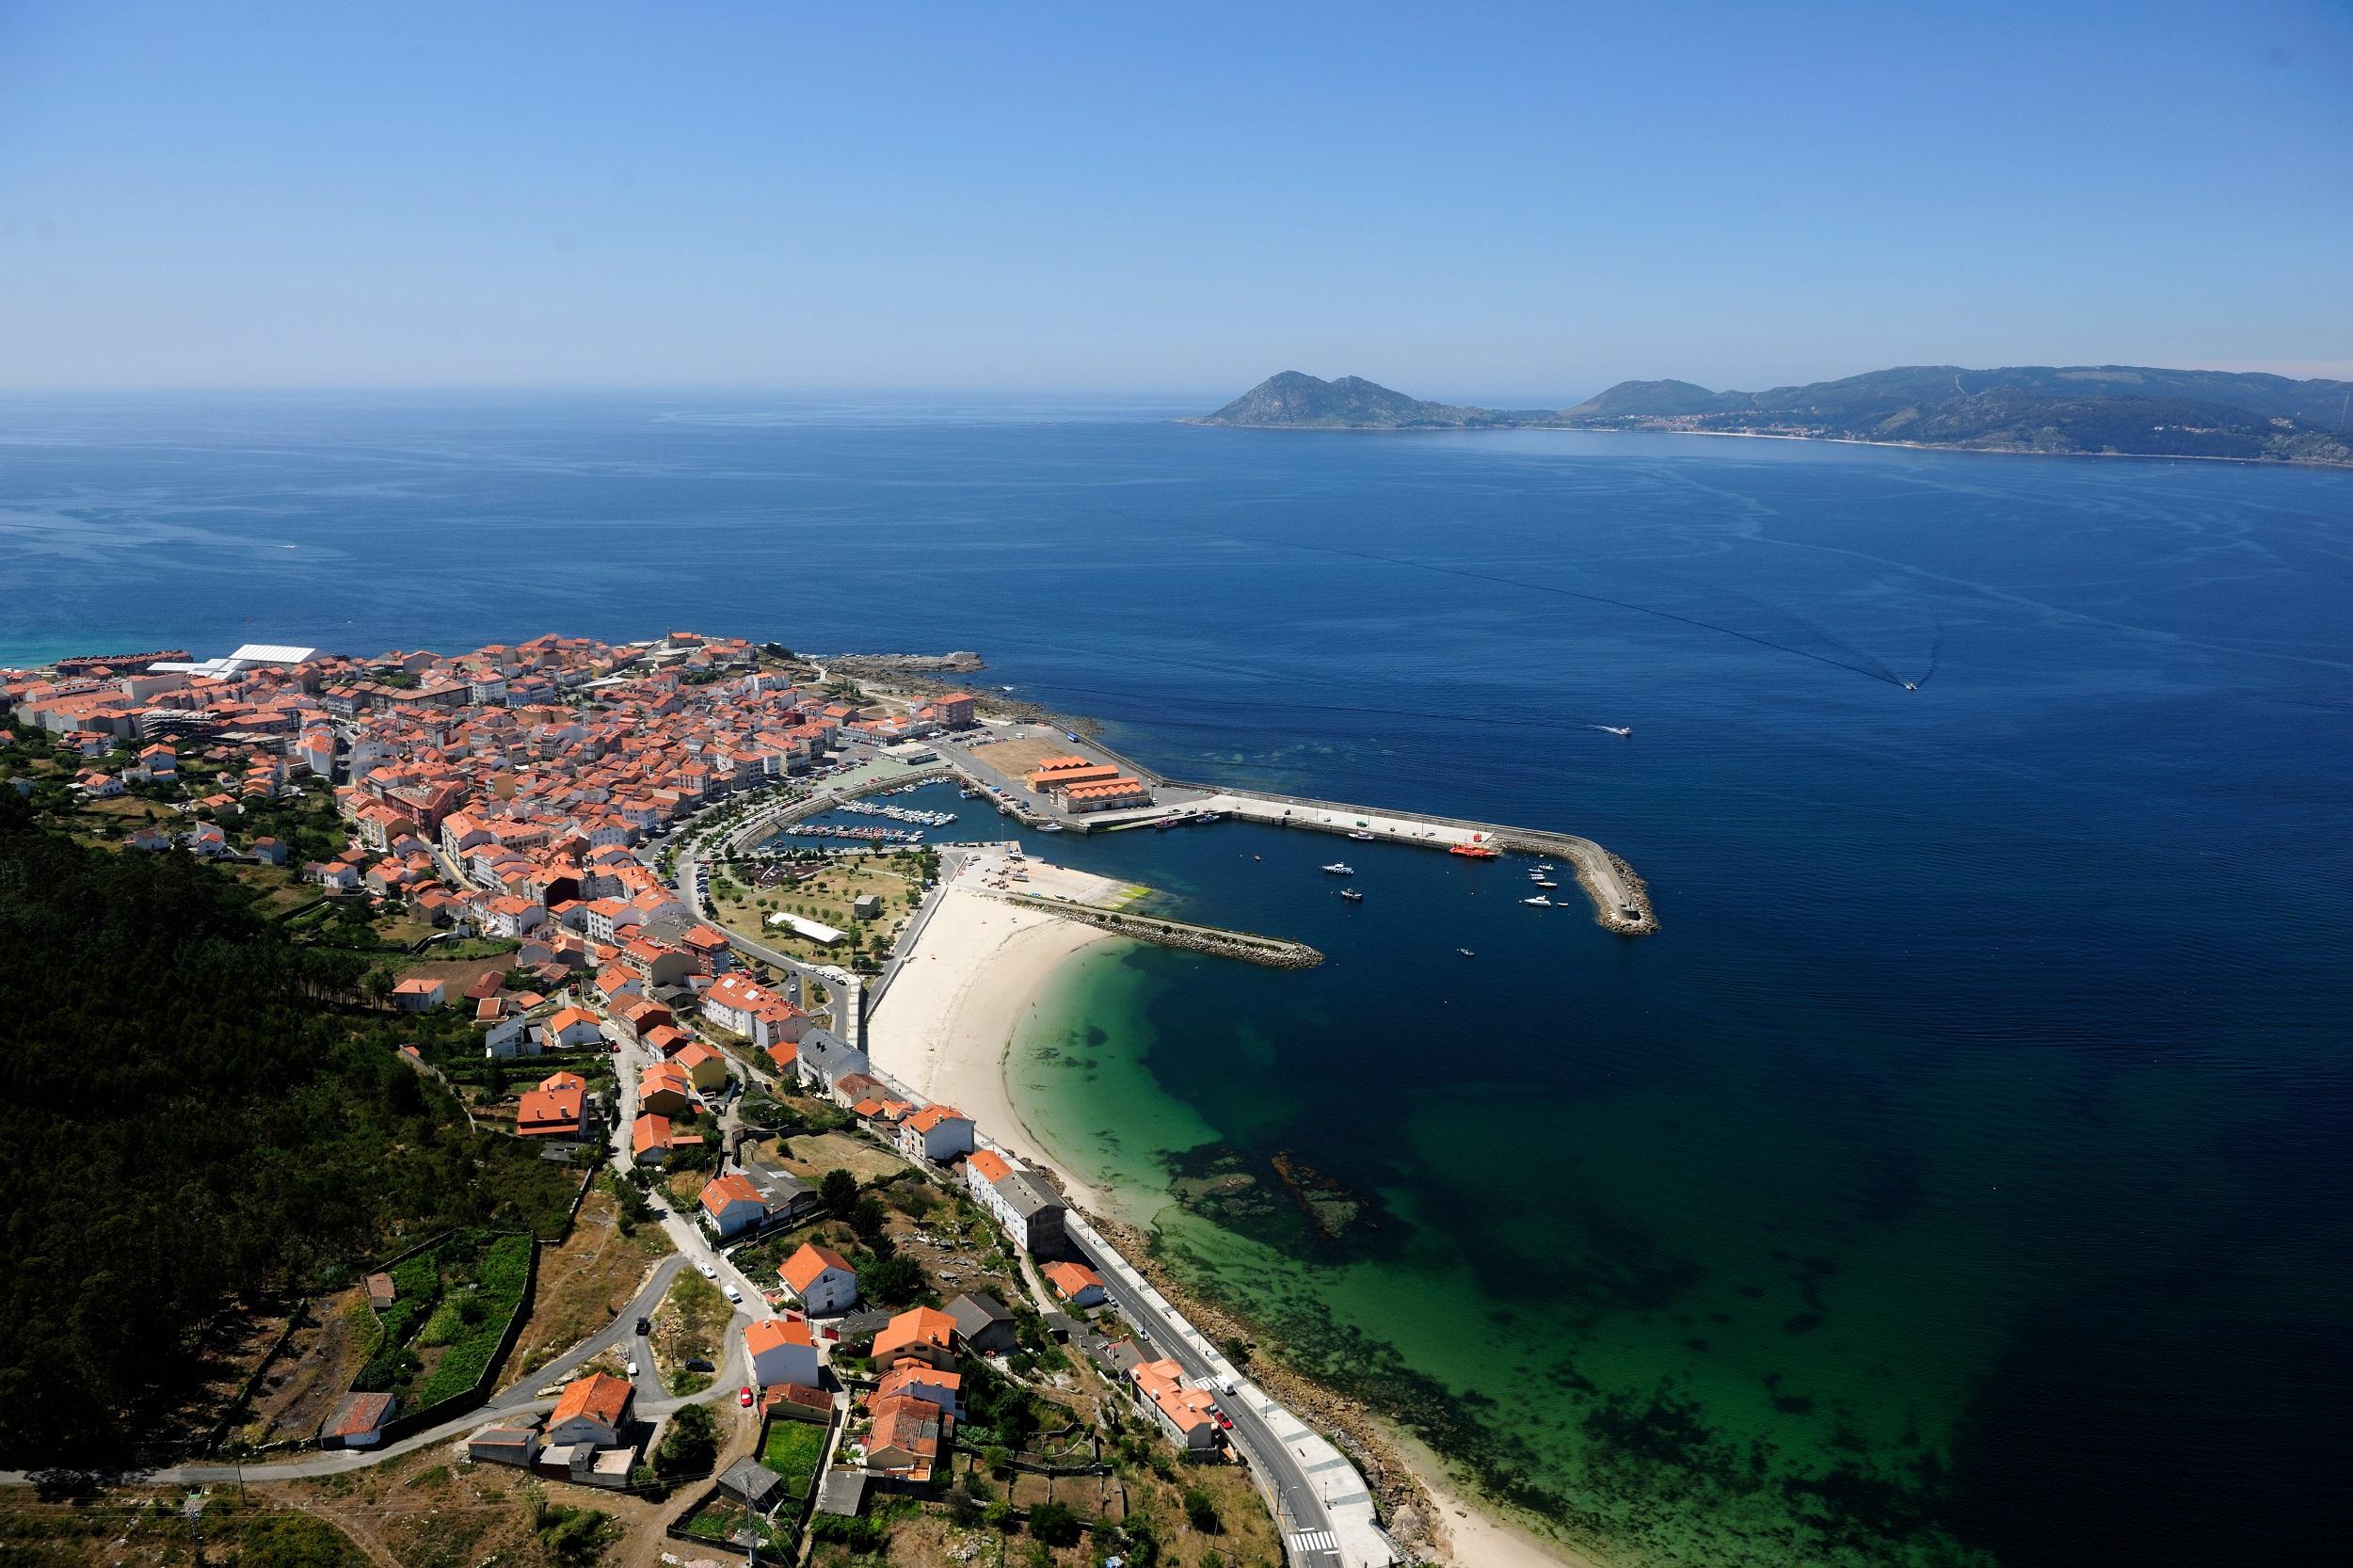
<point x="1340" y="867"/>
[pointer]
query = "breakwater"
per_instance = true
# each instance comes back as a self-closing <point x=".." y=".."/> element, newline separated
<point x="1275" y="952"/>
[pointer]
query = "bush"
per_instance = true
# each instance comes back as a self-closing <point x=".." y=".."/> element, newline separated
<point x="1054" y="1525"/>
<point x="1201" y="1511"/>
<point x="862" y="1535"/>
<point x="690" y="1444"/>
<point x="838" y="1191"/>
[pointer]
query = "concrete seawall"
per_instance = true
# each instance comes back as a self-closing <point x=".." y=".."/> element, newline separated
<point x="1275" y="952"/>
<point x="1621" y="902"/>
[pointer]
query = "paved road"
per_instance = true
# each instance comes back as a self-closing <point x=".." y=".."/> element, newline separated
<point x="1298" y="1510"/>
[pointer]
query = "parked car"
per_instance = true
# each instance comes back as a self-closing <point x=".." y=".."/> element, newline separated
<point x="644" y="1325"/>
<point x="734" y="1295"/>
<point x="709" y="1273"/>
<point x="699" y="1364"/>
<point x="743" y="1398"/>
<point x="632" y="1366"/>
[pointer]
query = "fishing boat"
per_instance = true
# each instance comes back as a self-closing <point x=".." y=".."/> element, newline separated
<point x="1340" y="867"/>
<point x="1466" y="953"/>
<point x="1472" y="852"/>
<point x="1539" y="900"/>
<point x="1361" y="836"/>
<point x="1352" y="895"/>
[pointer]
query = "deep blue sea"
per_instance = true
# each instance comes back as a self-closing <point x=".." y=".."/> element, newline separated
<point x="1965" y="1171"/>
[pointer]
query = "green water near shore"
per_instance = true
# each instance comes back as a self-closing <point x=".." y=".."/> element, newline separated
<point x="1552" y="1298"/>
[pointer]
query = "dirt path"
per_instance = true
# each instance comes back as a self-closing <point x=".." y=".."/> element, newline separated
<point x="648" y="1539"/>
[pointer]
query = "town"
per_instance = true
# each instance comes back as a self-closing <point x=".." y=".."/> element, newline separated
<point x="918" y="1337"/>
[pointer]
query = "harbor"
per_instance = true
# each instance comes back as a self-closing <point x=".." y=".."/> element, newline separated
<point x="1001" y="767"/>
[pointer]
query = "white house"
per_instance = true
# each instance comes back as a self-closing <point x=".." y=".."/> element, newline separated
<point x="419" y="994"/>
<point x="936" y="1134"/>
<point x="734" y="1203"/>
<point x="761" y="1016"/>
<point x="572" y="1028"/>
<point x="594" y="1410"/>
<point x="819" y="1278"/>
<point x="510" y="1037"/>
<point x="781" y="1350"/>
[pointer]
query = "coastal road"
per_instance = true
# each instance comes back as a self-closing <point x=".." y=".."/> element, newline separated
<point x="1300" y="1513"/>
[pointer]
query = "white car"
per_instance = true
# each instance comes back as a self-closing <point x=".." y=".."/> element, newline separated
<point x="709" y="1273"/>
<point x="633" y="1368"/>
<point x="734" y="1295"/>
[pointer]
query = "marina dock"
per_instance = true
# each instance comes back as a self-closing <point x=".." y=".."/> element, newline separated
<point x="1621" y="901"/>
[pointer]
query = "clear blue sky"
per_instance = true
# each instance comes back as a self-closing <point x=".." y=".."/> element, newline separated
<point x="1466" y="202"/>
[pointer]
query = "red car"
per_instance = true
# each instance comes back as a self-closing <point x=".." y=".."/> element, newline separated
<point x="743" y="1398"/>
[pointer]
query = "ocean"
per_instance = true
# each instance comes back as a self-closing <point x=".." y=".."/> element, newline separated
<point x="1962" y="1175"/>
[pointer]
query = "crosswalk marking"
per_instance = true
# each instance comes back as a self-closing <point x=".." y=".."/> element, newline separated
<point x="1315" y="1541"/>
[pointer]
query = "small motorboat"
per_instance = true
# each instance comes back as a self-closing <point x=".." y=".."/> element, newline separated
<point x="1340" y="867"/>
<point x="1352" y="895"/>
<point x="1539" y="900"/>
<point x="1361" y="836"/>
<point x="1547" y="883"/>
<point x="1466" y="953"/>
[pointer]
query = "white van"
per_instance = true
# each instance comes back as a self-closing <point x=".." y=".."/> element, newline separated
<point x="734" y="1295"/>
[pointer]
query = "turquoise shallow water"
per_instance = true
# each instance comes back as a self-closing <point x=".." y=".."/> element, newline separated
<point x="1962" y="1175"/>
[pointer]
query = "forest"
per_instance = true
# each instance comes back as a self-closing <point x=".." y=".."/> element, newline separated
<point x="201" y="1116"/>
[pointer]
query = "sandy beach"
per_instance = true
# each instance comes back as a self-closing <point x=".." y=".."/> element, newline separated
<point x="945" y="1029"/>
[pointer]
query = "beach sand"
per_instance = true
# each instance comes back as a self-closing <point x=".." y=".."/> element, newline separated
<point x="945" y="1028"/>
<point x="946" y="1025"/>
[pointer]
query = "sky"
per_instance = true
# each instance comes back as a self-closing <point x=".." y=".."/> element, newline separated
<point x="1496" y="204"/>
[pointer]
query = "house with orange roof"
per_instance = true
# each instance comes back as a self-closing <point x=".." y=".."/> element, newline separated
<point x="785" y="1059"/>
<point x="921" y="1334"/>
<point x="910" y="1438"/>
<point x="651" y="1140"/>
<point x="983" y="1168"/>
<point x="733" y="1204"/>
<point x="819" y="1278"/>
<point x="593" y="1410"/>
<point x="1075" y="1283"/>
<point x="736" y="1005"/>
<point x="1188" y="1415"/>
<point x="781" y="1349"/>
<point x="944" y="1389"/>
<point x="936" y="1134"/>
<point x="705" y="1066"/>
<point x="419" y="994"/>
<point x="571" y="1028"/>
<point x="557" y="1109"/>
<point x="664" y="1090"/>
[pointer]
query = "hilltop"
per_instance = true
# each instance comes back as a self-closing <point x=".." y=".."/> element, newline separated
<point x="2135" y="410"/>
<point x="1292" y="401"/>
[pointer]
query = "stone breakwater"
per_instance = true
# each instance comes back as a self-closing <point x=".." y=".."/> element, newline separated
<point x="1275" y="952"/>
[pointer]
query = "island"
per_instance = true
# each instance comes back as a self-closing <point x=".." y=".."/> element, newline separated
<point x="2079" y="410"/>
<point x="584" y="1057"/>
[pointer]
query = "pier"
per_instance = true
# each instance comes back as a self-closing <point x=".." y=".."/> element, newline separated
<point x="1621" y="902"/>
<point x="1275" y="953"/>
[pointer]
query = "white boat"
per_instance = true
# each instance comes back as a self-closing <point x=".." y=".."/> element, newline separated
<point x="1049" y="828"/>
<point x="1539" y="900"/>
<point x="1352" y="895"/>
<point x="1547" y="883"/>
<point x="1340" y="867"/>
<point x="1466" y="953"/>
<point x="1362" y="836"/>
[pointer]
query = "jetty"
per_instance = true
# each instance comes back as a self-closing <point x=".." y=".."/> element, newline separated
<point x="1275" y="952"/>
<point x="1621" y="901"/>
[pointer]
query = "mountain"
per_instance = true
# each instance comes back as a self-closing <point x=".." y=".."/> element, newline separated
<point x="1291" y="401"/>
<point x="2131" y="410"/>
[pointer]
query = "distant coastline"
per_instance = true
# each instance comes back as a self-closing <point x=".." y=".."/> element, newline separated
<point x="2094" y="411"/>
